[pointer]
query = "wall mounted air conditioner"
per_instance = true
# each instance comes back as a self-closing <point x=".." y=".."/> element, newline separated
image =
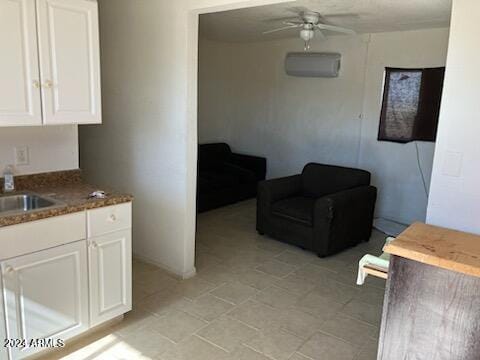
<point x="306" y="64"/>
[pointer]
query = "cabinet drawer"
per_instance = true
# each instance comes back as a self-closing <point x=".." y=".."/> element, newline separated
<point x="108" y="219"/>
<point x="43" y="234"/>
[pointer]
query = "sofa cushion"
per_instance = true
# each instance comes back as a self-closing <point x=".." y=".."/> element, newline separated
<point x="215" y="180"/>
<point x="298" y="208"/>
<point x="319" y="180"/>
<point x="243" y="175"/>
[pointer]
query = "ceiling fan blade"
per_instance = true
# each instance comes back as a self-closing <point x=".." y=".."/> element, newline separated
<point x="281" y="19"/>
<point x="281" y="29"/>
<point x="335" y="28"/>
<point x="320" y="34"/>
<point x="342" y="15"/>
<point x="294" y="23"/>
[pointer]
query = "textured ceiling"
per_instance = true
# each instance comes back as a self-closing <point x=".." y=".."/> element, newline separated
<point x="363" y="16"/>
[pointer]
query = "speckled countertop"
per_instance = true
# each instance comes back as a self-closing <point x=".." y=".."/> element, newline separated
<point x="66" y="187"/>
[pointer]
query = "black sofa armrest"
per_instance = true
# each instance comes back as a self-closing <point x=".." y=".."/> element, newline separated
<point x="255" y="163"/>
<point x="344" y="215"/>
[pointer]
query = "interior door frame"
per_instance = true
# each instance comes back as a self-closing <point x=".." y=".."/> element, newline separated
<point x="194" y="10"/>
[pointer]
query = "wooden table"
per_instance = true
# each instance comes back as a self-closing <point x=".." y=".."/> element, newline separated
<point x="432" y="300"/>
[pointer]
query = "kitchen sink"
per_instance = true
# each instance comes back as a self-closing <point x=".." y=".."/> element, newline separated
<point x="25" y="202"/>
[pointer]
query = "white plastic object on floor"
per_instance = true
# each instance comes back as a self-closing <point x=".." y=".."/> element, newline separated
<point x="379" y="265"/>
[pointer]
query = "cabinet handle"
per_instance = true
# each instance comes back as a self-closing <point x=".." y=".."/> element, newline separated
<point x="113" y="218"/>
<point x="93" y="244"/>
<point x="48" y="84"/>
<point x="9" y="269"/>
<point x="36" y="84"/>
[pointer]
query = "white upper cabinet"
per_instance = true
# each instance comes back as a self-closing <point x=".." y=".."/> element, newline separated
<point x="50" y="62"/>
<point x="69" y="61"/>
<point x="19" y="72"/>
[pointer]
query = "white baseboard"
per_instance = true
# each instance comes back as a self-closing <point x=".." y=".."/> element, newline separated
<point x="175" y="273"/>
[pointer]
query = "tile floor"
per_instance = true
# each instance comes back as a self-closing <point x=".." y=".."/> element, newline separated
<point x="253" y="298"/>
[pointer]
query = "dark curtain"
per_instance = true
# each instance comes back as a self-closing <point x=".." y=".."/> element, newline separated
<point x="411" y="104"/>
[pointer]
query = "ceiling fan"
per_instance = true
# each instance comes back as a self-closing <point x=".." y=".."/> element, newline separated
<point x="309" y="22"/>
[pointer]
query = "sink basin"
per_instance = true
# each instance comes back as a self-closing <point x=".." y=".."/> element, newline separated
<point x="21" y="203"/>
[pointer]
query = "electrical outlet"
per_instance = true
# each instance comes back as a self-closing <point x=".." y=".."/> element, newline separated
<point x="21" y="155"/>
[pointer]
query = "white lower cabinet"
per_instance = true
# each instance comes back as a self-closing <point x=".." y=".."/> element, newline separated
<point x="61" y="290"/>
<point x="3" y="333"/>
<point x="46" y="295"/>
<point x="110" y="264"/>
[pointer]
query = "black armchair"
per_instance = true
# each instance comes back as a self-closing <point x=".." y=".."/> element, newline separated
<point x="325" y="209"/>
<point x="225" y="177"/>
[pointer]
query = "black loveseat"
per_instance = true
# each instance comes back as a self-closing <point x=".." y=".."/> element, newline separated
<point x="225" y="177"/>
<point x="325" y="209"/>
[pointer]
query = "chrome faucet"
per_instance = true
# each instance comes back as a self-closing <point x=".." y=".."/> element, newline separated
<point x="8" y="179"/>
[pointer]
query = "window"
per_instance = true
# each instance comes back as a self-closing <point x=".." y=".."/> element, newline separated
<point x="411" y="104"/>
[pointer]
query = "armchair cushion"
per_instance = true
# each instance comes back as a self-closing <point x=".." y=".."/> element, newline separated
<point x="298" y="208"/>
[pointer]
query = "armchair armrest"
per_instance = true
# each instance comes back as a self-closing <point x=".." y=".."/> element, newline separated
<point x="343" y="215"/>
<point x="255" y="163"/>
<point x="270" y="191"/>
<point x="276" y="189"/>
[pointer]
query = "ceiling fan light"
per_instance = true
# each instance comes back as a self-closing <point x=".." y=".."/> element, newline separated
<point x="307" y="35"/>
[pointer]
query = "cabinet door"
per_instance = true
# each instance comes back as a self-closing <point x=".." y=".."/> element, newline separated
<point x="19" y="72"/>
<point x="69" y="61"/>
<point x="3" y="333"/>
<point x="46" y="295"/>
<point x="110" y="276"/>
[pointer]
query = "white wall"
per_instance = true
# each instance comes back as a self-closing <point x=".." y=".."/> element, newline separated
<point x="247" y="100"/>
<point x="51" y="148"/>
<point x="455" y="193"/>
<point x="141" y="147"/>
<point x="147" y="143"/>
<point x="394" y="166"/>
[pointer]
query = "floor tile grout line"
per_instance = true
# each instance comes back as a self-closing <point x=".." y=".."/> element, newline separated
<point x="359" y="320"/>
<point x="243" y="323"/>
<point x="210" y="342"/>
<point x="222" y="299"/>
<point x="259" y="352"/>
<point x="339" y="338"/>
<point x="305" y="356"/>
